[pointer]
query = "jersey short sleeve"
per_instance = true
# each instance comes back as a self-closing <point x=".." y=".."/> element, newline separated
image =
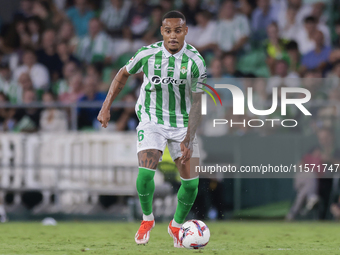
<point x="135" y="64"/>
<point x="199" y="75"/>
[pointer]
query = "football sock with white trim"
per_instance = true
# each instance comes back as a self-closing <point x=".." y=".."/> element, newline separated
<point x="145" y="188"/>
<point x="186" y="197"/>
<point x="175" y="224"/>
<point x="148" y="217"/>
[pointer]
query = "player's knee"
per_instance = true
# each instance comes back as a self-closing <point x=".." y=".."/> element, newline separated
<point x="190" y="186"/>
<point x="145" y="175"/>
<point x="146" y="178"/>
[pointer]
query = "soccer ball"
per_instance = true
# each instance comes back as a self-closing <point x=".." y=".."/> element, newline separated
<point x="194" y="234"/>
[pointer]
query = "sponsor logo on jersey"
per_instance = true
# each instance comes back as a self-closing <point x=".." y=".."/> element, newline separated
<point x="158" y="67"/>
<point x="183" y="70"/>
<point x="166" y="80"/>
<point x="156" y="79"/>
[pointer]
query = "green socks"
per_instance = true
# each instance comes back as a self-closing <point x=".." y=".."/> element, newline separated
<point x="145" y="188"/>
<point x="186" y="194"/>
<point x="186" y="197"/>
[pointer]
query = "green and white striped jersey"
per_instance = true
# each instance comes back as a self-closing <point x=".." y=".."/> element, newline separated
<point x="169" y="81"/>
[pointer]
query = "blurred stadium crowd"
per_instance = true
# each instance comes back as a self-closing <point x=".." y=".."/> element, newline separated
<point x="68" y="51"/>
<point x="58" y="57"/>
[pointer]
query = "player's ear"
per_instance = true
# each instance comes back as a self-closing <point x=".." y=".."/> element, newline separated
<point x="186" y="30"/>
<point x="161" y="30"/>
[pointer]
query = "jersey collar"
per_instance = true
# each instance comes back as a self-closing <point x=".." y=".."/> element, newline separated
<point x="177" y="55"/>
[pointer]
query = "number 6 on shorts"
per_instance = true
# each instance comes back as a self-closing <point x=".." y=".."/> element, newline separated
<point x="140" y="135"/>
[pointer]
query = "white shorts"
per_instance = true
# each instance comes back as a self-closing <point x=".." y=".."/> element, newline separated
<point x="155" y="136"/>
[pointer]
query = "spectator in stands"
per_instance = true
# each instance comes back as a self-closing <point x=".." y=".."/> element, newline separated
<point x="27" y="119"/>
<point x="49" y="16"/>
<point x="287" y="23"/>
<point x="294" y="56"/>
<point x="138" y="20"/>
<point x="282" y="77"/>
<point x="80" y="15"/>
<point x="87" y="116"/>
<point x="318" y="12"/>
<point x="262" y="17"/>
<point x="115" y="16"/>
<point x="25" y="10"/>
<point x="189" y="10"/>
<point x="202" y="36"/>
<point x="275" y="47"/>
<point x="75" y="91"/>
<point x="62" y="85"/>
<point x="317" y="58"/>
<point x="65" y="55"/>
<point x="66" y="34"/>
<point x="48" y="56"/>
<point x="38" y="72"/>
<point x="302" y="11"/>
<point x="230" y="72"/>
<point x="232" y="29"/>
<point x="52" y="119"/>
<point x="7" y="85"/>
<point x="60" y="4"/>
<point x="125" y="118"/>
<point x="6" y="118"/>
<point x="229" y="66"/>
<point x="305" y="35"/>
<point x="97" y="46"/>
<point x="167" y="5"/>
<point x="35" y="30"/>
<point x="17" y="36"/>
<point x="95" y="71"/>
<point x="153" y="34"/>
<point x="25" y="83"/>
<point x="246" y="7"/>
<point x="216" y="69"/>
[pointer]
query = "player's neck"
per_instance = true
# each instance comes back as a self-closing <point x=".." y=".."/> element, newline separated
<point x="173" y="52"/>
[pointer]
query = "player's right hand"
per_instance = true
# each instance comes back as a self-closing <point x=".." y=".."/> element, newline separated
<point x="104" y="117"/>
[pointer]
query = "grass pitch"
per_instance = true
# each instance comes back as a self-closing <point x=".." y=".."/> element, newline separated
<point x="241" y="237"/>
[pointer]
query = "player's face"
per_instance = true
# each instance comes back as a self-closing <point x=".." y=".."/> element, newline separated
<point x="174" y="31"/>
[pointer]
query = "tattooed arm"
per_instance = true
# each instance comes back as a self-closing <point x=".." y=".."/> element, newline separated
<point x="117" y="85"/>
<point x="194" y="121"/>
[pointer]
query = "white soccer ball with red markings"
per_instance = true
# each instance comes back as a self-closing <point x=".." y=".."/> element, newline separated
<point x="194" y="234"/>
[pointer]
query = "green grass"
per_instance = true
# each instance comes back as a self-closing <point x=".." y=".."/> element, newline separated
<point x="275" y="210"/>
<point x="243" y="237"/>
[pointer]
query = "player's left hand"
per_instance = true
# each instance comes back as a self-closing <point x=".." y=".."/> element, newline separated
<point x="186" y="152"/>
